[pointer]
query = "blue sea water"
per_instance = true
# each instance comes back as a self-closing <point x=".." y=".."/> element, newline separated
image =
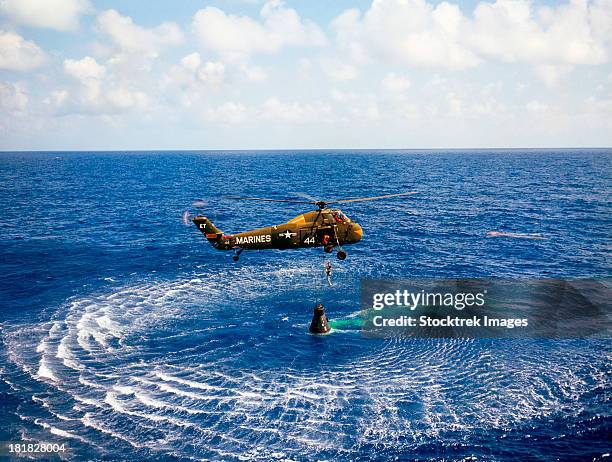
<point x="126" y="336"/>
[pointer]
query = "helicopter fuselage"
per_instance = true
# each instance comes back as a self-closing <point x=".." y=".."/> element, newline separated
<point x="319" y="228"/>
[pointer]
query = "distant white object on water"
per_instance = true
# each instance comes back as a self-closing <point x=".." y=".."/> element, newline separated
<point x="515" y="235"/>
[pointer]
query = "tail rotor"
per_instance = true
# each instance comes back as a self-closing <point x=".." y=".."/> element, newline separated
<point x="198" y="205"/>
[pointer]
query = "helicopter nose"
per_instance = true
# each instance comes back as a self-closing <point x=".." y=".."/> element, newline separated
<point x="357" y="232"/>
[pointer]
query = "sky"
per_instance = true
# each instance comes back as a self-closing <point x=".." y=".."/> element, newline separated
<point x="308" y="74"/>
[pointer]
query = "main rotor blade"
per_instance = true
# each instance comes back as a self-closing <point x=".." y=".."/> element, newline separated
<point x="305" y="196"/>
<point x="363" y="199"/>
<point x="268" y="200"/>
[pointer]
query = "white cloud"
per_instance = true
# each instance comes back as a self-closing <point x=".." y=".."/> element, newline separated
<point x="536" y="107"/>
<point x="237" y="37"/>
<point x="211" y="73"/>
<point x="601" y="108"/>
<point x="122" y="98"/>
<point x="435" y="101"/>
<point x="357" y="106"/>
<point x="340" y="71"/>
<point x="57" y="98"/>
<point x="348" y="35"/>
<point x="192" y="62"/>
<point x="262" y="74"/>
<point x="97" y="92"/>
<point x="13" y="97"/>
<point x="515" y="31"/>
<point x="343" y="96"/>
<point x="84" y="69"/>
<point x="253" y="73"/>
<point x="89" y="74"/>
<point x="552" y="75"/>
<point x="193" y="72"/>
<point x="227" y="113"/>
<point x="18" y="54"/>
<point x="60" y="15"/>
<point x="370" y="111"/>
<point x="295" y="112"/>
<point x="411" y="32"/>
<point x="132" y="38"/>
<point x="417" y="33"/>
<point x="396" y="83"/>
<point x="194" y="79"/>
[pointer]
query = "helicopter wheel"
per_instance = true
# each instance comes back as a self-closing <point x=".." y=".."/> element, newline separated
<point x="341" y="255"/>
<point x="328" y="248"/>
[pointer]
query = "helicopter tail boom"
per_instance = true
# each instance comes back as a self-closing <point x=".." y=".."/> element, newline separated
<point x="213" y="234"/>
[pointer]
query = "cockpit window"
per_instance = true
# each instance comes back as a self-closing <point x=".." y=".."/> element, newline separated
<point x="340" y="217"/>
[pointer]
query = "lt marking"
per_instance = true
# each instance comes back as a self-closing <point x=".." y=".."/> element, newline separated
<point x="287" y="234"/>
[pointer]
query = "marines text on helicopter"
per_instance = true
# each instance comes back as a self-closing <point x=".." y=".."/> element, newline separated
<point x="325" y="227"/>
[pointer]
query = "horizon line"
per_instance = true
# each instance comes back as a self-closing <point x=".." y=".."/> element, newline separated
<point x="8" y="151"/>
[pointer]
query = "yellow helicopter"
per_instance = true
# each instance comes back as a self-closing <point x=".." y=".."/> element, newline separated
<point x="325" y="227"/>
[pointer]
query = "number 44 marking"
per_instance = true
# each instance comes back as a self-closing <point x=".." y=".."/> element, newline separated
<point x="309" y="240"/>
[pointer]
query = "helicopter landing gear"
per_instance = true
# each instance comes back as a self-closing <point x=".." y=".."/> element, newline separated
<point x="237" y="255"/>
<point x="328" y="248"/>
<point x="341" y="253"/>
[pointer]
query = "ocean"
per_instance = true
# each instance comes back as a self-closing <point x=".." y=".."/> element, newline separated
<point x="126" y="336"/>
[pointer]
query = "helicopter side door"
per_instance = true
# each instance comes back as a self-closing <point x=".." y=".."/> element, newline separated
<point x="325" y="236"/>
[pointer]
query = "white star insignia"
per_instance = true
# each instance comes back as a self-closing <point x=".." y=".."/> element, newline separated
<point x="287" y="234"/>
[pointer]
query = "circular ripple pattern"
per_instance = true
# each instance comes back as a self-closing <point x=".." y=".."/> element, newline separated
<point x="159" y="367"/>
